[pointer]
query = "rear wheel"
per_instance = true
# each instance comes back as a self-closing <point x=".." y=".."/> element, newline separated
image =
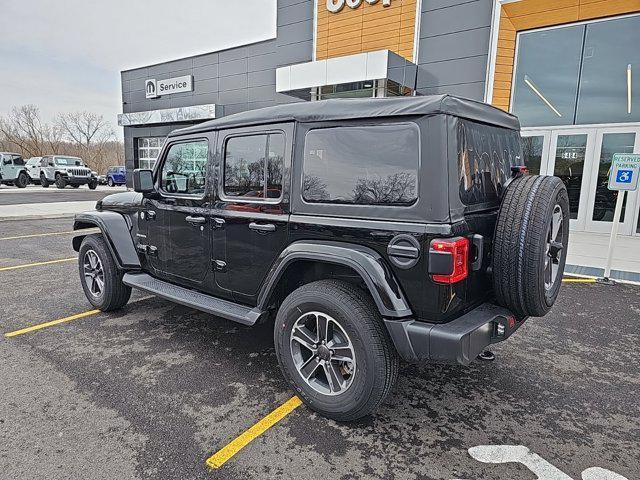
<point x="333" y="349"/>
<point x="101" y="280"/>
<point x="60" y="181"/>
<point x="530" y="244"/>
<point x="110" y="182"/>
<point x="22" y="181"/>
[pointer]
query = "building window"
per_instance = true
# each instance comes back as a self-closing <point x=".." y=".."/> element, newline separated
<point x="579" y="74"/>
<point x="149" y="150"/>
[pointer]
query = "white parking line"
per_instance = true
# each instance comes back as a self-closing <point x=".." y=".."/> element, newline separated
<point x="538" y="465"/>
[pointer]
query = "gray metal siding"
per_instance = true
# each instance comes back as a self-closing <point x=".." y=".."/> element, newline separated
<point x="453" y="48"/>
<point x="240" y="79"/>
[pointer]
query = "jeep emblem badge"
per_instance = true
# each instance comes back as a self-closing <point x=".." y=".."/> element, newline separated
<point x="150" y="88"/>
<point x="334" y="6"/>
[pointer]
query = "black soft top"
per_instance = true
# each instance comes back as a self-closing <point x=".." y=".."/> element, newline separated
<point x="354" y="108"/>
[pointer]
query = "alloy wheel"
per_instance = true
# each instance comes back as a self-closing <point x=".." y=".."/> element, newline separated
<point x="323" y="353"/>
<point x="93" y="273"/>
<point x="554" y="248"/>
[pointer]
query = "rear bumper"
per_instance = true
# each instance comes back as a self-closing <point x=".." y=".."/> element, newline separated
<point x="459" y="341"/>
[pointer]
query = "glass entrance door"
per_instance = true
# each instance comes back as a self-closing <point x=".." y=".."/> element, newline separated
<point x="570" y="153"/>
<point x="601" y="200"/>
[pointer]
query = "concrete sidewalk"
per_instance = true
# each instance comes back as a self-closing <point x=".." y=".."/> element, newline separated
<point x="588" y="254"/>
<point x="44" y="210"/>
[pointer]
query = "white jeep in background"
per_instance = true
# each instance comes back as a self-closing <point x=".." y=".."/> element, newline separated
<point x="13" y="170"/>
<point x="64" y="170"/>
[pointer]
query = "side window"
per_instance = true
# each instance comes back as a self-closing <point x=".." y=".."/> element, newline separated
<point x="18" y="160"/>
<point x="184" y="170"/>
<point x="253" y="166"/>
<point x="368" y="165"/>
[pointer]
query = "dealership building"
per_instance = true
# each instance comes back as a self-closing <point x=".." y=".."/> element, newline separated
<point x="570" y="70"/>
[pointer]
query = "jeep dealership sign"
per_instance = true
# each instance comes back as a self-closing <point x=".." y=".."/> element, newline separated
<point x="157" y="88"/>
<point x="334" y="6"/>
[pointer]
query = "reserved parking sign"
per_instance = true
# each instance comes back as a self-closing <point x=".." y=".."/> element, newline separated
<point x="625" y="171"/>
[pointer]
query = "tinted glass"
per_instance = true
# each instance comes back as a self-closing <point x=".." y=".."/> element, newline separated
<point x="546" y="82"/>
<point x="18" y="160"/>
<point x="569" y="166"/>
<point x="610" y="80"/>
<point x="372" y="165"/>
<point x="184" y="169"/>
<point x="605" y="200"/>
<point x="532" y="153"/>
<point x="485" y="157"/>
<point x="275" y="165"/>
<point x="244" y="166"/>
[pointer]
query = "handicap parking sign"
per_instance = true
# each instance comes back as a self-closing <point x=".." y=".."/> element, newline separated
<point x="624" y="176"/>
<point x="625" y="171"/>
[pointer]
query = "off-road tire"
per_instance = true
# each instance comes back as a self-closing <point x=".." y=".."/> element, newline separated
<point x="22" y="181"/>
<point x="93" y="184"/>
<point x="43" y="181"/>
<point x="520" y="244"/>
<point x="376" y="359"/>
<point x="60" y="181"/>
<point x="115" y="294"/>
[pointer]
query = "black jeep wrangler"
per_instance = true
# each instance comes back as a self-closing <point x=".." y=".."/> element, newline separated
<point x="372" y="230"/>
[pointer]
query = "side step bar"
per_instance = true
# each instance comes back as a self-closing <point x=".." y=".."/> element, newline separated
<point x="191" y="298"/>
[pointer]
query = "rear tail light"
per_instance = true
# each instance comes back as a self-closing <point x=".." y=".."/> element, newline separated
<point x="449" y="260"/>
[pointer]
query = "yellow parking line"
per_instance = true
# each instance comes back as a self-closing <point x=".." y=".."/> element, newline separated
<point x="40" y="326"/>
<point x="37" y="264"/>
<point x="225" y="453"/>
<point x="579" y="280"/>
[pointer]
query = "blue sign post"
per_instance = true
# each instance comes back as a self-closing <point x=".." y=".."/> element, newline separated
<point x="623" y="177"/>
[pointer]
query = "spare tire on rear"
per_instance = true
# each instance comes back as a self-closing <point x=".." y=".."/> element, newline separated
<point x="530" y="244"/>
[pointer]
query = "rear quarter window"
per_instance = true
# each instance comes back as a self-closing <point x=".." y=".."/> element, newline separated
<point x="485" y="156"/>
<point x="363" y="165"/>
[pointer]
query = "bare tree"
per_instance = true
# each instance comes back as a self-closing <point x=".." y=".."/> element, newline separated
<point x="23" y="130"/>
<point x="89" y="133"/>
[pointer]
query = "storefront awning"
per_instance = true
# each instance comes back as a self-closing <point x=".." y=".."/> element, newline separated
<point x="298" y="80"/>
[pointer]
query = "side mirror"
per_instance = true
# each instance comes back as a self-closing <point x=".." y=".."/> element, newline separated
<point x="143" y="180"/>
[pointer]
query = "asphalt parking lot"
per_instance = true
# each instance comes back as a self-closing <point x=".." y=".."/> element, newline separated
<point x="154" y="390"/>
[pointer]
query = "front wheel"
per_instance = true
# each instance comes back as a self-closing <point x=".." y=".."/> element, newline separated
<point x="22" y="181"/>
<point x="43" y="181"/>
<point x="93" y="184"/>
<point x="101" y="280"/>
<point x="60" y="181"/>
<point x="110" y="182"/>
<point x="334" y="350"/>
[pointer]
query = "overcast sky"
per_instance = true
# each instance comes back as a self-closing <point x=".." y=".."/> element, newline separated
<point x="66" y="55"/>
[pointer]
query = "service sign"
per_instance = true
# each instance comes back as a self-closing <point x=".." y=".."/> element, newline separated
<point x="625" y="171"/>
<point x="157" y="88"/>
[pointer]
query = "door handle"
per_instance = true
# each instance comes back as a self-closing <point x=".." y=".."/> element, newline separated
<point x="262" y="227"/>
<point x="196" y="220"/>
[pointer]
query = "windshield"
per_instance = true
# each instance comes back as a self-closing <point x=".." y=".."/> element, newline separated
<point x="70" y="161"/>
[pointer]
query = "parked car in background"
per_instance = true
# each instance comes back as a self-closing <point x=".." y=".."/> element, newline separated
<point x="102" y="179"/>
<point x="116" y="176"/>
<point x="33" y="169"/>
<point x="13" y="170"/>
<point x="65" y="170"/>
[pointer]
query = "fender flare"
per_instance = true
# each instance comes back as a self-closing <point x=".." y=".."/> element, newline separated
<point x="115" y="230"/>
<point x="366" y="262"/>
